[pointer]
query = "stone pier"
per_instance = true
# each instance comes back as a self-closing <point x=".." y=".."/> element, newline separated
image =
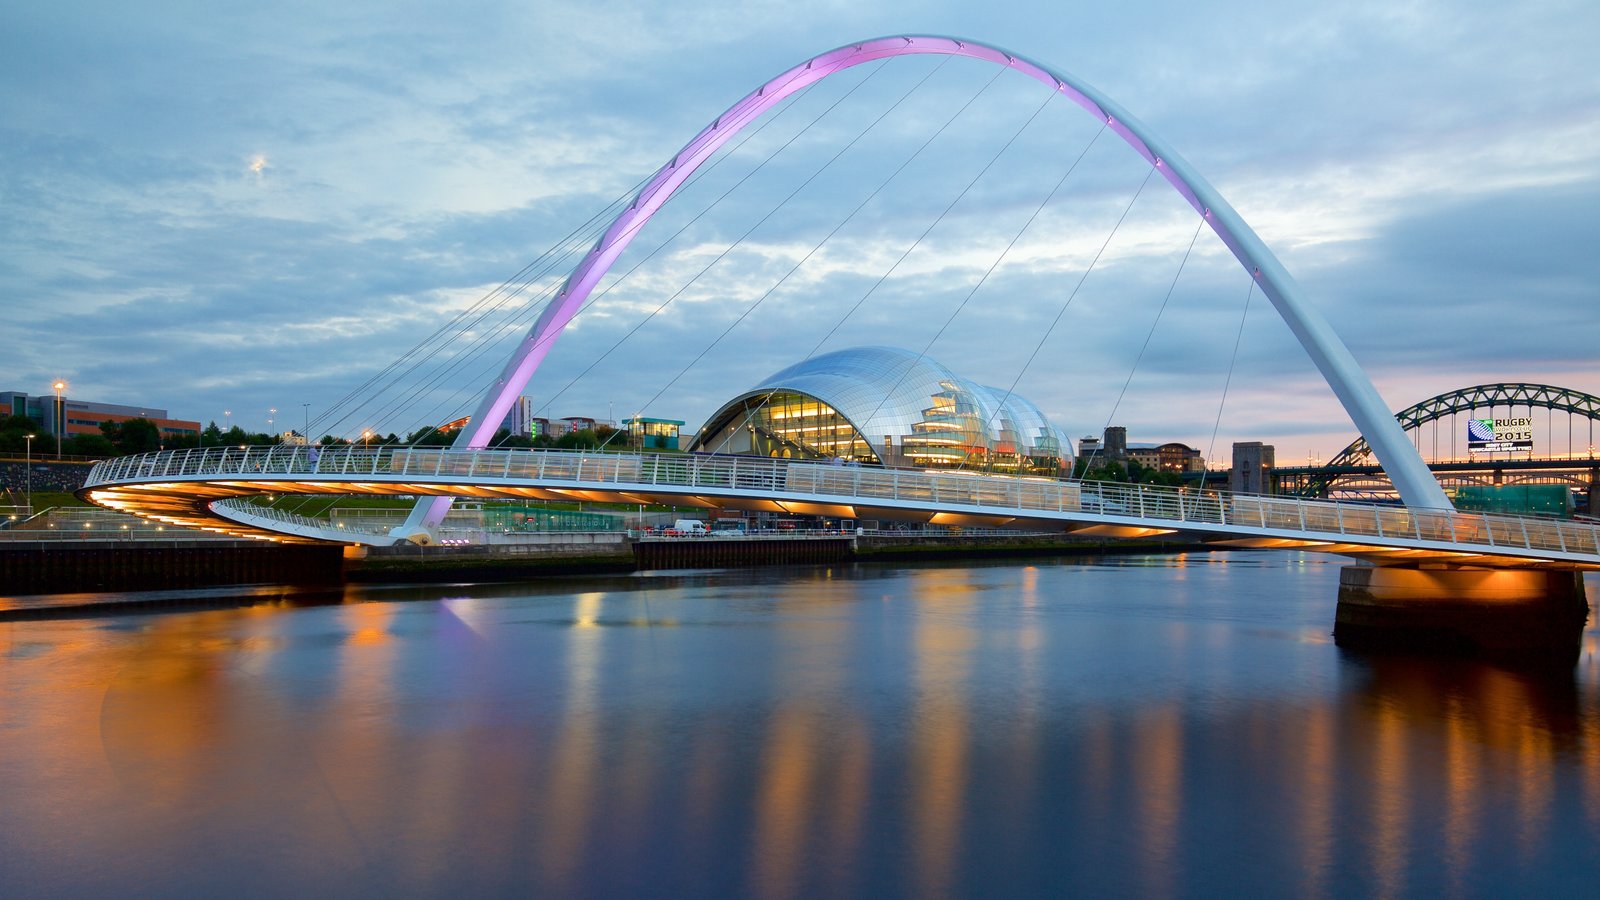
<point x="1521" y="615"/>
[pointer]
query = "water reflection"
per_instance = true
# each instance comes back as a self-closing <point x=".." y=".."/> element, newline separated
<point x="932" y="731"/>
<point x="1523" y="729"/>
<point x="943" y="641"/>
<point x="570" y="795"/>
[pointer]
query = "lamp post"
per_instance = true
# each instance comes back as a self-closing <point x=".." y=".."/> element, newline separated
<point x="227" y="420"/>
<point x="307" y="433"/>
<point x="28" y="479"/>
<point x="271" y="413"/>
<point x="61" y="413"/>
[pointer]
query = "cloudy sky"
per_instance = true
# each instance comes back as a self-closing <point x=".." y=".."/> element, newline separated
<point x="268" y="206"/>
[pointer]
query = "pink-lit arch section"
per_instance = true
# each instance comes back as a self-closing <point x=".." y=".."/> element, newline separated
<point x="1349" y="382"/>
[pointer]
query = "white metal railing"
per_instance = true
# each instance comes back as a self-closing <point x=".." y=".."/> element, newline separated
<point x="730" y="475"/>
<point x="247" y="510"/>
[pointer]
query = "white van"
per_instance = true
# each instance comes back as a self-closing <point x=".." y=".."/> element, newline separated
<point x="693" y="527"/>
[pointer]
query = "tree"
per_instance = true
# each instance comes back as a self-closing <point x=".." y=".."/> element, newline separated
<point x="1102" y="470"/>
<point x="88" y="445"/>
<point x="578" y="440"/>
<point x="14" y="431"/>
<point x="135" y="436"/>
<point x="1139" y="473"/>
<point x="19" y="423"/>
<point x="429" y="437"/>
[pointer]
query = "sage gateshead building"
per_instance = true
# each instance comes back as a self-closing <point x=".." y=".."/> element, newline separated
<point x="887" y="406"/>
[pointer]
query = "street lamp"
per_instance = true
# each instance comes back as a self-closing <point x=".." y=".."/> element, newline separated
<point x="227" y="420"/>
<point x="29" y="476"/>
<point x="61" y="413"/>
<point x="273" y="411"/>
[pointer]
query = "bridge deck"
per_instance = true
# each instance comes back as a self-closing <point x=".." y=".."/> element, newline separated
<point x="209" y="489"/>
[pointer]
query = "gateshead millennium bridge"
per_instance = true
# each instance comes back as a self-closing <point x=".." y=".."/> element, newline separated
<point x="1406" y="548"/>
<point x="212" y="489"/>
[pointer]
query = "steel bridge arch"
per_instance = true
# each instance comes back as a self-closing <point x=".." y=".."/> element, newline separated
<point x="1333" y="359"/>
<point x="1542" y="396"/>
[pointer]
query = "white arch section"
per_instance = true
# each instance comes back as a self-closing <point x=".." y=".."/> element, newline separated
<point x="1371" y="416"/>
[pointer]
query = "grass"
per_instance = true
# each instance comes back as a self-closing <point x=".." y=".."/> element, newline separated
<point x="47" y="499"/>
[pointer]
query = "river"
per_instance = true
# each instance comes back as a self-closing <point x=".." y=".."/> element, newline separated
<point x="1134" y="726"/>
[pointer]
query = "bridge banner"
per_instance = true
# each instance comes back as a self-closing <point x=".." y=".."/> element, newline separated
<point x="1500" y="435"/>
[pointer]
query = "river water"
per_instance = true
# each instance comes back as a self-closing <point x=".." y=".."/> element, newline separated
<point x="1149" y="726"/>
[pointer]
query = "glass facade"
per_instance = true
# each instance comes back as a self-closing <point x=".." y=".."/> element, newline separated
<point x="655" y="434"/>
<point x="887" y="406"/>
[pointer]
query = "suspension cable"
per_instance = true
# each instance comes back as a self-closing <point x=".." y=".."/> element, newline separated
<point x="663" y="305"/>
<point x="489" y="337"/>
<point x="633" y="227"/>
<point x="925" y="232"/>
<point x="1152" y="332"/>
<point x="1006" y="252"/>
<point x="482" y="306"/>
<point x="752" y="409"/>
<point x="588" y="232"/>
<point x="720" y="256"/>
<point x="1237" y="339"/>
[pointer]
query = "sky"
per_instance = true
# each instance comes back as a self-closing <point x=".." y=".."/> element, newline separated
<point x="226" y="211"/>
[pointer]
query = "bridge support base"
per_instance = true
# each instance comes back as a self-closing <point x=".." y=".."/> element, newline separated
<point x="420" y="536"/>
<point x="1516" y="615"/>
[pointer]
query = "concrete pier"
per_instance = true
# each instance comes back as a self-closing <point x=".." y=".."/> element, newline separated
<point x="1521" y="615"/>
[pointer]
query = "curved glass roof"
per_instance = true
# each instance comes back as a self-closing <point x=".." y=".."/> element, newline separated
<point x="909" y="409"/>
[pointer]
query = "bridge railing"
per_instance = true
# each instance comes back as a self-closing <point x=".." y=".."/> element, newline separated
<point x="249" y="510"/>
<point x="1147" y="505"/>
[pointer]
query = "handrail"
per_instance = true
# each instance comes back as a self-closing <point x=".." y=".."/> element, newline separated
<point x="247" y="509"/>
<point x="1118" y="503"/>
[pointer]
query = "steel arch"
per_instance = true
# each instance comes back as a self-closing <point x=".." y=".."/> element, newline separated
<point x="1333" y="359"/>
<point x="1544" y="396"/>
